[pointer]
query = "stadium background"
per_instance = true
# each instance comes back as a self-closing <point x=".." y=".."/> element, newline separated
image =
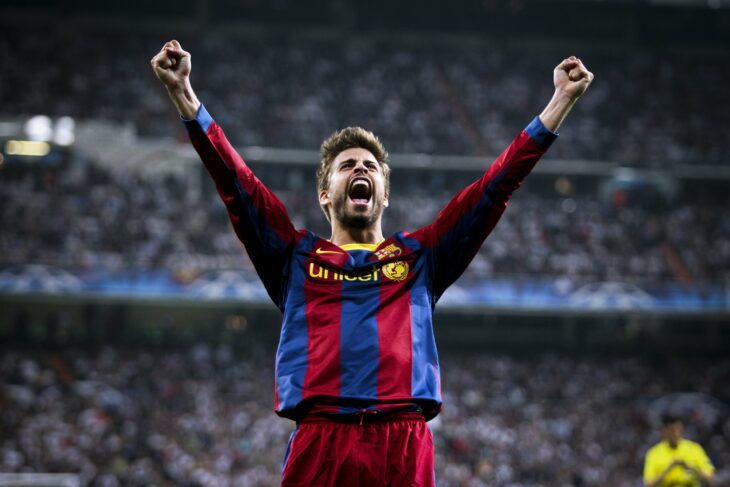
<point x="137" y="345"/>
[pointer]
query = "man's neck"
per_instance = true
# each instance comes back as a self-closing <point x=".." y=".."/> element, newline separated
<point x="346" y="235"/>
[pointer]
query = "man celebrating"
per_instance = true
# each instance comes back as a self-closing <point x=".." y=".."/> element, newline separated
<point x="676" y="461"/>
<point x="356" y="366"/>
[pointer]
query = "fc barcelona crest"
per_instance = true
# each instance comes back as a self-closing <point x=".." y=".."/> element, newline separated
<point x="391" y="250"/>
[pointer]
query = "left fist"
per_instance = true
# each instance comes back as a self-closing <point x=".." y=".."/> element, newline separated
<point x="572" y="78"/>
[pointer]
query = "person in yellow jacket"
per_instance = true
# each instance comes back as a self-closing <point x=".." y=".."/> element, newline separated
<point x="676" y="461"/>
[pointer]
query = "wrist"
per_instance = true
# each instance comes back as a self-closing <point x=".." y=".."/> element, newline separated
<point x="563" y="97"/>
<point x="183" y="96"/>
<point x="179" y="88"/>
<point x="556" y="110"/>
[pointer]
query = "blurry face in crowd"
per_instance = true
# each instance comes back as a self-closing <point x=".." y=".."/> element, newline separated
<point x="356" y="196"/>
<point x="672" y="432"/>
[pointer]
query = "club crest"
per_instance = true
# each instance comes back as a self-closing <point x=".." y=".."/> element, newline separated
<point x="391" y="250"/>
<point x="396" y="271"/>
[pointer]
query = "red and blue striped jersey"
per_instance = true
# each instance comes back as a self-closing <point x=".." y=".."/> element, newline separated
<point x="357" y="330"/>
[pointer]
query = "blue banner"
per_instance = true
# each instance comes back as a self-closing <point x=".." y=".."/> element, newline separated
<point x="530" y="294"/>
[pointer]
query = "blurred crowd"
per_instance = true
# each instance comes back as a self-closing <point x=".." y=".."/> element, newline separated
<point x="465" y="98"/>
<point x="120" y="222"/>
<point x="202" y="417"/>
<point x="460" y="97"/>
<point x="585" y="240"/>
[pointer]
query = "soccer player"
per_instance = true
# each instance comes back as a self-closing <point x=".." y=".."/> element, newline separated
<point x="676" y="461"/>
<point x="356" y="365"/>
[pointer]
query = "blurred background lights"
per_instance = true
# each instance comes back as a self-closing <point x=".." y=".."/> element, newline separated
<point x="43" y="128"/>
<point x="32" y="148"/>
<point x="64" y="133"/>
<point x="39" y="128"/>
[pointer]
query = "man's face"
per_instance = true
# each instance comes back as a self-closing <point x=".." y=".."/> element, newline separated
<point x="672" y="432"/>
<point x="356" y="194"/>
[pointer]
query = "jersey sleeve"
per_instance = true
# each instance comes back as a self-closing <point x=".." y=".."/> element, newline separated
<point x="652" y="468"/>
<point x="701" y="461"/>
<point x="259" y="218"/>
<point x="459" y="230"/>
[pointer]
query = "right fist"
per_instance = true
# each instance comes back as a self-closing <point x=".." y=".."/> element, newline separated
<point x="172" y="65"/>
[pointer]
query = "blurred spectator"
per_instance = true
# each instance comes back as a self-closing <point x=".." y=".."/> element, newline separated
<point x="677" y="460"/>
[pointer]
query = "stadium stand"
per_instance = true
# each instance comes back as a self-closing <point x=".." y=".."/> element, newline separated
<point x="117" y="221"/>
<point x="202" y="416"/>
<point x="445" y="98"/>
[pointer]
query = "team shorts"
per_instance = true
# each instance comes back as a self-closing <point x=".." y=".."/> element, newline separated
<point x="395" y="450"/>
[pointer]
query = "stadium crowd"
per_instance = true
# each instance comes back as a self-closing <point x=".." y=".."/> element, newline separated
<point x="118" y="222"/>
<point x="202" y="417"/>
<point x="446" y="98"/>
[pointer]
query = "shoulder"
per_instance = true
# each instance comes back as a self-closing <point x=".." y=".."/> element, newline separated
<point x="305" y="237"/>
<point x="692" y="446"/>
<point x="656" y="449"/>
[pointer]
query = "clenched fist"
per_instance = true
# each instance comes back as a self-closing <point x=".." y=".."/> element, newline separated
<point x="572" y="78"/>
<point x="172" y="66"/>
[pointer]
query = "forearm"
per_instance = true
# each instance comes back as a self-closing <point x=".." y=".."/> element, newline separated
<point x="253" y="206"/>
<point x="707" y="480"/>
<point x="654" y="482"/>
<point x="556" y="110"/>
<point x="658" y="480"/>
<point x="184" y="98"/>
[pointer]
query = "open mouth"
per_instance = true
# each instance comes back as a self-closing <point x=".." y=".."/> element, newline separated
<point x="360" y="191"/>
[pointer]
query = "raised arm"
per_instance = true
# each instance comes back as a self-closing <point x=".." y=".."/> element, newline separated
<point x="172" y="66"/>
<point x="259" y="218"/>
<point x="460" y="229"/>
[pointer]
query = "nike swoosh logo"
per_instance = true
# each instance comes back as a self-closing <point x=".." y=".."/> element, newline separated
<point x="320" y="251"/>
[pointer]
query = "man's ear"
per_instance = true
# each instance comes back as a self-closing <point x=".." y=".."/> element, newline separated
<point x="324" y="198"/>
<point x="385" y="201"/>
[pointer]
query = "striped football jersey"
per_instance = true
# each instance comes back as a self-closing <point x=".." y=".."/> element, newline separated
<point x="357" y="330"/>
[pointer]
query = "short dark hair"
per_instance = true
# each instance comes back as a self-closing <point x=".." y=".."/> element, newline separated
<point x="668" y="419"/>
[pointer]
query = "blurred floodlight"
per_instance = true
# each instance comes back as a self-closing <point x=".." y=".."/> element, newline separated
<point x="64" y="133"/>
<point x="39" y="128"/>
<point x="32" y="148"/>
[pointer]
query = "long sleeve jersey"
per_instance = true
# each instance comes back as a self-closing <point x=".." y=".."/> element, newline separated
<point x="357" y="331"/>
